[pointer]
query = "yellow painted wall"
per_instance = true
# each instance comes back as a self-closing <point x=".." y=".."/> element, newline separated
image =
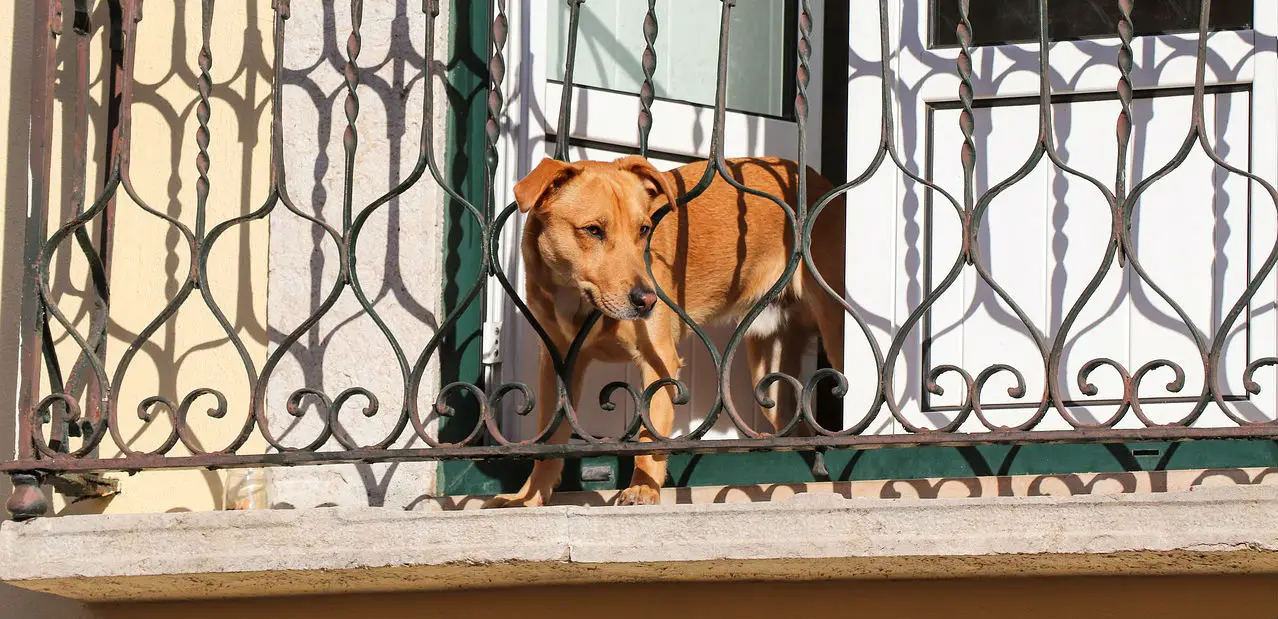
<point x="151" y="258"/>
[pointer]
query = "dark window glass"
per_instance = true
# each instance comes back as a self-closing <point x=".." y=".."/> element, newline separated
<point x="999" y="22"/>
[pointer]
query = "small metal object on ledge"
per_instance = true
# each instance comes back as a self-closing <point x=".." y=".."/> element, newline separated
<point x="84" y="486"/>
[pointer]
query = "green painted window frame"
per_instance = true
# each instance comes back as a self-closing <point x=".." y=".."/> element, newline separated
<point x="460" y="355"/>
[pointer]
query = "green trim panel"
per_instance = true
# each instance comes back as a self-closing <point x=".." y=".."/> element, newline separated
<point x="904" y="463"/>
<point x="460" y="353"/>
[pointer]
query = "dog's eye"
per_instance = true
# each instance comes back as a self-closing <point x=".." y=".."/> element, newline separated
<point x="644" y="230"/>
<point x="594" y="231"/>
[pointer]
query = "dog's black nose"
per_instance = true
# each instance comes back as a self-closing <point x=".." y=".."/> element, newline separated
<point x="642" y="299"/>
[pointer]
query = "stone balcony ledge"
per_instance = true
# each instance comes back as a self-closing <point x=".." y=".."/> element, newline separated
<point x="1209" y="530"/>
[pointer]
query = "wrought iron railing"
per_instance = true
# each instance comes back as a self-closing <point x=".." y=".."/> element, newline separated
<point x="66" y="421"/>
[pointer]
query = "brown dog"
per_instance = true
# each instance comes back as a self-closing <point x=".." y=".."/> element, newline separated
<point x="583" y="249"/>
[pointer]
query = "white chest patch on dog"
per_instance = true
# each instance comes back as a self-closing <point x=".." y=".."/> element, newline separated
<point x="769" y="322"/>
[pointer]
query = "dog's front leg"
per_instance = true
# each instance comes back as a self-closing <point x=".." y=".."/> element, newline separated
<point x="545" y="474"/>
<point x="650" y="471"/>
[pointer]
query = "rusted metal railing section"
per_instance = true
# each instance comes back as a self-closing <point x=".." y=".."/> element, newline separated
<point x="64" y="424"/>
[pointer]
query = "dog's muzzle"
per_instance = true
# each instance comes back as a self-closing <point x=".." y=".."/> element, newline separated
<point x="642" y="300"/>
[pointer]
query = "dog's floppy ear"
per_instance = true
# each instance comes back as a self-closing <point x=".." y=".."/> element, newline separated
<point x="548" y="175"/>
<point x="655" y="183"/>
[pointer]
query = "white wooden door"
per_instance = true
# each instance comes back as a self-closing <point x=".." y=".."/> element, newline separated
<point x="604" y="126"/>
<point x="1200" y="232"/>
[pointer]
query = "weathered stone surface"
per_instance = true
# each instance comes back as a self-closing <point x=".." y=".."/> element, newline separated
<point x="1210" y="530"/>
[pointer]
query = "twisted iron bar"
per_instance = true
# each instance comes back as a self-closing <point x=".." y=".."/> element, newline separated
<point x="802" y="77"/>
<point x="966" y="119"/>
<point x="350" y="139"/>
<point x="649" y="64"/>
<point x="1126" y="59"/>
<point x="496" y="75"/>
<point x="203" y="112"/>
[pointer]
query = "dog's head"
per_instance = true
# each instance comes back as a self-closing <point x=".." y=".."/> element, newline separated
<point x="594" y="220"/>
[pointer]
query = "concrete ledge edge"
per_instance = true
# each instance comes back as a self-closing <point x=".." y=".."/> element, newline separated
<point x="816" y="536"/>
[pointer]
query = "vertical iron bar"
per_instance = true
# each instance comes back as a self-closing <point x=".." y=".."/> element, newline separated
<point x="116" y="113"/>
<point x="802" y="77"/>
<point x="27" y="501"/>
<point x="720" y="87"/>
<point x="719" y="165"/>
<point x="722" y="361"/>
<point x="496" y="75"/>
<point x="497" y="34"/>
<point x="278" y="180"/>
<point x="835" y="56"/>
<point x="100" y="258"/>
<point x="495" y="103"/>
<point x="41" y="156"/>
<point x="78" y="381"/>
<point x="966" y="117"/>
<point x="646" y="91"/>
<point x="565" y="97"/>
<point x="82" y="27"/>
<point x="460" y="350"/>
<point x="1124" y="125"/>
<point x="283" y="10"/>
<point x="1200" y="65"/>
<point x="562" y="142"/>
<point x="202" y="113"/>
<point x="128" y="14"/>
<point x="350" y="140"/>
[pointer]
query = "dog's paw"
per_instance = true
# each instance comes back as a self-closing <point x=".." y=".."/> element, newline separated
<point x="513" y="500"/>
<point x="640" y="495"/>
